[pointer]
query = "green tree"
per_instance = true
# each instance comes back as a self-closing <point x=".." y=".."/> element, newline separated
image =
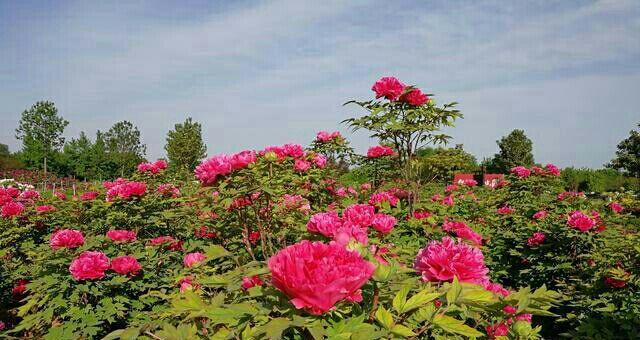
<point x="185" y="147"/>
<point x="515" y="149"/>
<point x="40" y="130"/>
<point x="124" y="147"/>
<point x="628" y="155"/>
<point x="405" y="126"/>
<point x="8" y="160"/>
<point x="440" y="164"/>
<point x="77" y="156"/>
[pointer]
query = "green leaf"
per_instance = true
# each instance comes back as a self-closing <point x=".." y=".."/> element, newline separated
<point x="402" y="331"/>
<point x="384" y="317"/>
<point x="420" y="299"/>
<point x="275" y="327"/>
<point x="215" y="251"/>
<point x="454" y="326"/>
<point x="400" y="299"/>
<point x="454" y="291"/>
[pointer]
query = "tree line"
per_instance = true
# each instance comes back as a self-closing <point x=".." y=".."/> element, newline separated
<point x="117" y="151"/>
<point x="113" y="153"/>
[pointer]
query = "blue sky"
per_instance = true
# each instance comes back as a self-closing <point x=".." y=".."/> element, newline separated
<point x="258" y="73"/>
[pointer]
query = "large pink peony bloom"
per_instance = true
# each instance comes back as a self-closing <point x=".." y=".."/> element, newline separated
<point x="384" y="223"/>
<point x="359" y="214"/>
<point x="444" y="260"/>
<point x="521" y="171"/>
<point x="301" y="165"/>
<point x="126" y="190"/>
<point x="315" y="275"/>
<point x="66" y="238"/>
<point x="540" y="215"/>
<point x="325" y="223"/>
<point x="121" y="235"/>
<point x="578" y="220"/>
<point x="242" y="159"/>
<point x="378" y="151"/>
<point x="209" y="170"/>
<point x="90" y="265"/>
<point x="125" y="265"/>
<point x="192" y="259"/>
<point x="414" y="97"/>
<point x="12" y="209"/>
<point x="388" y="87"/>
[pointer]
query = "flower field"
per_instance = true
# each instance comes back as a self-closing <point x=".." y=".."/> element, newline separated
<point x="273" y="243"/>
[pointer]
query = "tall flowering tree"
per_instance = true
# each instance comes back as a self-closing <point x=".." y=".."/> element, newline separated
<point x="404" y="116"/>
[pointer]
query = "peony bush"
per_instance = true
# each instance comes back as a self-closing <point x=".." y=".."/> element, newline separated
<point x="273" y="243"/>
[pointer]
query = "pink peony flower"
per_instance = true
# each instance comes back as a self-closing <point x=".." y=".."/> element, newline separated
<point x="508" y="309"/>
<point x="540" y="214"/>
<point x="348" y="232"/>
<point x="210" y="169"/>
<point x="379" y="151"/>
<point x="88" y="196"/>
<point x="248" y="282"/>
<point x="384" y="196"/>
<point x="187" y="283"/>
<point x="388" y="87"/>
<point x="168" y="190"/>
<point x="41" y="209"/>
<point x="325" y="223"/>
<point x="496" y="330"/>
<point x="315" y="276"/>
<point x="170" y="242"/>
<point x="524" y="317"/>
<point x="552" y="170"/>
<point x="126" y="190"/>
<point x="29" y="195"/>
<point x="616" y="207"/>
<point x="121" y="235"/>
<point x="293" y="150"/>
<point x="521" y="171"/>
<point x="578" y="220"/>
<point x="536" y="239"/>
<point x="12" y="209"/>
<point x="125" y="265"/>
<point x="66" y="238"/>
<point x="444" y="260"/>
<point x="448" y="201"/>
<point x="192" y="259"/>
<point x="421" y="214"/>
<point x="242" y="159"/>
<point x="320" y="161"/>
<point x="505" y="210"/>
<point x="325" y="137"/>
<point x="359" y="214"/>
<point x="152" y="168"/>
<point x="463" y="231"/>
<point x="414" y="97"/>
<point x="301" y="165"/>
<point x="90" y="265"/>
<point x="383" y="223"/>
<point x="60" y="195"/>
<point x="19" y="289"/>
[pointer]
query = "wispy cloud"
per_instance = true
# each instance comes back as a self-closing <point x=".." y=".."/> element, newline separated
<point x="277" y="71"/>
